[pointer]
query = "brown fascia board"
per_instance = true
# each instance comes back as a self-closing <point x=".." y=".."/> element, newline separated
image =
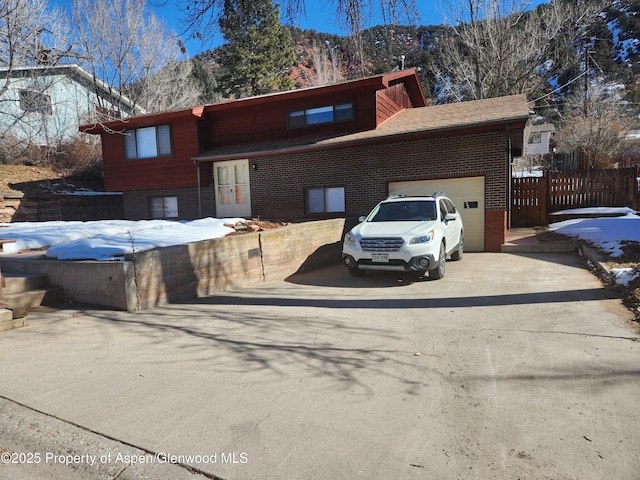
<point x="376" y="83"/>
<point x="142" y="121"/>
<point x="515" y="123"/>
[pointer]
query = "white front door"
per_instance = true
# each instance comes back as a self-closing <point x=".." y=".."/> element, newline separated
<point x="231" y="181"/>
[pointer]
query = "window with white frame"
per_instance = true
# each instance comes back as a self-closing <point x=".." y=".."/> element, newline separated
<point x="163" y="207"/>
<point x="35" y="102"/>
<point x="324" y="200"/>
<point x="342" y="112"/>
<point x="148" y="142"/>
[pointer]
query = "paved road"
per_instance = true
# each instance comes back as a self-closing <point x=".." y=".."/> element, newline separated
<point x="512" y="366"/>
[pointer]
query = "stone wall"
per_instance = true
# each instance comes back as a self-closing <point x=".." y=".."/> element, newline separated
<point x="16" y="207"/>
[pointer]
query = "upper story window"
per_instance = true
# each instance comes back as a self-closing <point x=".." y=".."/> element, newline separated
<point x="342" y="112"/>
<point x="35" y="102"/>
<point x="148" y="142"/>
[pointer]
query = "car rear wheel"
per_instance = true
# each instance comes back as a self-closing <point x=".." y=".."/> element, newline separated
<point x="438" y="272"/>
<point x="457" y="255"/>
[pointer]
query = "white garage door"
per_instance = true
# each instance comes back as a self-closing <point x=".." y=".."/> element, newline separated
<point x="468" y="195"/>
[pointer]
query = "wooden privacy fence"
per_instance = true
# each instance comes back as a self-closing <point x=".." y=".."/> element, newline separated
<point x="534" y="198"/>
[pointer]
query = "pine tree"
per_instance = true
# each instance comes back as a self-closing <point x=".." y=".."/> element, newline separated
<point x="258" y="53"/>
<point x="206" y="82"/>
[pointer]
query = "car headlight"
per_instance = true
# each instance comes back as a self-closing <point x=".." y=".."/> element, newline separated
<point x="350" y="239"/>
<point x="423" y="238"/>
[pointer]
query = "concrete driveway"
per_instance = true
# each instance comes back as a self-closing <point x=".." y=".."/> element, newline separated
<point x="512" y="366"/>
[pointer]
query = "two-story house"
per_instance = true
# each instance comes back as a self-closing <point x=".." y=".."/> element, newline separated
<point x="320" y="152"/>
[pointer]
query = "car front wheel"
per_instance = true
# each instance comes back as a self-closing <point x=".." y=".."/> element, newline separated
<point x="438" y="272"/>
<point x="356" y="272"/>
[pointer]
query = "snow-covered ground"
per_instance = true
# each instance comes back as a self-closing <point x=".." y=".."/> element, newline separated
<point x="109" y="239"/>
<point x="608" y="233"/>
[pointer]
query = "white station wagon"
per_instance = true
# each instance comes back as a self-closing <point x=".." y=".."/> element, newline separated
<point x="406" y="233"/>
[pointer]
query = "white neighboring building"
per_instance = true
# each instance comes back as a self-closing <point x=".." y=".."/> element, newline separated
<point x="538" y="139"/>
<point x="45" y="104"/>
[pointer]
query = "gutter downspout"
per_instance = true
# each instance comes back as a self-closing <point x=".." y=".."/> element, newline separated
<point x="510" y="173"/>
<point x="195" y="162"/>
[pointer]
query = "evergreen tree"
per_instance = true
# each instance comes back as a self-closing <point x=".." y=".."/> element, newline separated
<point x="258" y="53"/>
<point x="206" y="82"/>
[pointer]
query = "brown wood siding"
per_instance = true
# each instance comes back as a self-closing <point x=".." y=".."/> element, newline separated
<point x="260" y="123"/>
<point x="176" y="171"/>
<point x="391" y="101"/>
<point x="386" y="108"/>
<point x="398" y="94"/>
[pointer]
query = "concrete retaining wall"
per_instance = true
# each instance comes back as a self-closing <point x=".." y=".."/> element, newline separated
<point x="203" y="268"/>
<point x="111" y="284"/>
<point x="182" y="272"/>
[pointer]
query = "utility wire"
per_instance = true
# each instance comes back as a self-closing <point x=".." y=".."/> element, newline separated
<point x="562" y="86"/>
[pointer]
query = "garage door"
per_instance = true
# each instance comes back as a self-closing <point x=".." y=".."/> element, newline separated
<point x="468" y="195"/>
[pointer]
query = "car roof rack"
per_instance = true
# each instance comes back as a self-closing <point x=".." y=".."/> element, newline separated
<point x="402" y="195"/>
<point x="395" y="195"/>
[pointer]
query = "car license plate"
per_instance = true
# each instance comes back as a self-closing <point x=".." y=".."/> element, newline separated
<point x="380" y="258"/>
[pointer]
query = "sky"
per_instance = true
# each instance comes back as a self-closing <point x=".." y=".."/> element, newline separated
<point x="110" y="240"/>
<point x="319" y="15"/>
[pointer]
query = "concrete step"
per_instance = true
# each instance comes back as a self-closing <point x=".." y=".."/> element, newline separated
<point x="22" y="282"/>
<point x="21" y="302"/>
<point x="539" y="247"/>
<point x="7" y="322"/>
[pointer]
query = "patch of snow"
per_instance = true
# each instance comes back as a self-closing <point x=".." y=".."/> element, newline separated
<point x="528" y="173"/>
<point x="624" y="276"/>
<point x="597" y="211"/>
<point x="110" y="239"/>
<point x="85" y="192"/>
<point x="608" y="233"/>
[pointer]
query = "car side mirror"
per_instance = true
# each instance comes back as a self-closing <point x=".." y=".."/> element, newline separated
<point x="362" y="218"/>
<point x="450" y="217"/>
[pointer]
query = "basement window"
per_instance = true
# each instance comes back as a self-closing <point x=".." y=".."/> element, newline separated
<point x="342" y="112"/>
<point x="148" y="142"/>
<point x="324" y="200"/>
<point x="163" y="207"/>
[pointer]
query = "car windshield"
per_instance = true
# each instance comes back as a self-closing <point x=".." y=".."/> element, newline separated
<point x="409" y="211"/>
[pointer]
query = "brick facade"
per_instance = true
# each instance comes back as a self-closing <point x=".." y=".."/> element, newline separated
<point x="278" y="182"/>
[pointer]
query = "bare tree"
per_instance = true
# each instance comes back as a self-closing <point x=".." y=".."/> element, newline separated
<point x="500" y="47"/>
<point x="129" y="49"/>
<point x="33" y="40"/>
<point x="31" y="34"/>
<point x="326" y="63"/>
<point x="201" y="16"/>
<point x="599" y="135"/>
